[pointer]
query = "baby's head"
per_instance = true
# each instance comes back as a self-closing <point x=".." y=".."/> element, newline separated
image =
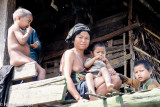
<point x="142" y="70"/>
<point x="98" y="49"/>
<point x="22" y="17"/>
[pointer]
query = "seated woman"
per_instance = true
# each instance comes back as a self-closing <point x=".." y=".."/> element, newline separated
<point x="72" y="66"/>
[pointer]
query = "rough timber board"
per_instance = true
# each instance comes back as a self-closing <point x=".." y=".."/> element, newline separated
<point x="38" y="92"/>
<point x="25" y="71"/>
<point x="118" y="61"/>
<point x="139" y="99"/>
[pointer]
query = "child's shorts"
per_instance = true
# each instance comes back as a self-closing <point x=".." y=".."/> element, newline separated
<point x="95" y="72"/>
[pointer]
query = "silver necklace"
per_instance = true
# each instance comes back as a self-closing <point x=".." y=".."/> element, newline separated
<point x="79" y="57"/>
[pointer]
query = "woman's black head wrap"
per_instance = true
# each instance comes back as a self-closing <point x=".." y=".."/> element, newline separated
<point x="76" y="29"/>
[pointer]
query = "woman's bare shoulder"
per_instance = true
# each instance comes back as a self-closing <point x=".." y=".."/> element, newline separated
<point x="69" y="52"/>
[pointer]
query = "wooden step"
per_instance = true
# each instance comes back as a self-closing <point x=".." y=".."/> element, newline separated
<point x="25" y="71"/>
<point x="39" y="92"/>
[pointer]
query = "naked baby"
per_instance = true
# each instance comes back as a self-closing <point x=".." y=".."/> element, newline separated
<point x="19" y="50"/>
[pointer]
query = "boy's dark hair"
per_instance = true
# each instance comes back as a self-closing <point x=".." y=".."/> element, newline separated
<point x="144" y="62"/>
<point x="96" y="44"/>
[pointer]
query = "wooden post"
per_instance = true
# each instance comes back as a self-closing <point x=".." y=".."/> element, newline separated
<point x="3" y="28"/>
<point x="124" y="48"/>
<point x="130" y="40"/>
<point x="6" y="9"/>
<point x="125" y="61"/>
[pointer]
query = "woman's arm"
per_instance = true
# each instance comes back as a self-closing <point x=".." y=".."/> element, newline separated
<point x="109" y="67"/>
<point x="68" y="65"/>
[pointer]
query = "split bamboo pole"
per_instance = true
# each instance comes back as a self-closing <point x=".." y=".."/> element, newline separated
<point x="143" y="52"/>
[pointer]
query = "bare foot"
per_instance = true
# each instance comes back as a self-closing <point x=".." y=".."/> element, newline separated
<point x="110" y="86"/>
<point x="92" y="97"/>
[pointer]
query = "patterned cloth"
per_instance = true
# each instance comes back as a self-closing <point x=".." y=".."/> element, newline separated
<point x="77" y="28"/>
<point x="80" y="85"/>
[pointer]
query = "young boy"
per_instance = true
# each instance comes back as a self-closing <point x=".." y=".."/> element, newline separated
<point x="142" y="71"/>
<point x="19" y="50"/>
<point x="98" y="66"/>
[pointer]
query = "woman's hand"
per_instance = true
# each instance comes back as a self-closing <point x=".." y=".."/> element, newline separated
<point x="112" y="71"/>
<point x="81" y="99"/>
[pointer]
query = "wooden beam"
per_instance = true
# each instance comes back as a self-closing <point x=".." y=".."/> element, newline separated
<point x="117" y="50"/>
<point x="118" y="42"/>
<point x="115" y="33"/>
<point x="138" y="99"/>
<point x="113" y="48"/>
<point x="110" y="20"/>
<point x="103" y="38"/>
<point x="25" y="71"/>
<point x="38" y="92"/>
<point x="117" y="61"/>
<point x="120" y="64"/>
<point x="116" y="55"/>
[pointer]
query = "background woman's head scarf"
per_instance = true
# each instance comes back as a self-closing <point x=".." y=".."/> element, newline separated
<point x="76" y="29"/>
